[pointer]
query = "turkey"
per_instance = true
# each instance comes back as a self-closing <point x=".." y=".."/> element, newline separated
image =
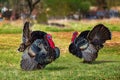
<point x="88" y="43"/>
<point x="38" y="49"/>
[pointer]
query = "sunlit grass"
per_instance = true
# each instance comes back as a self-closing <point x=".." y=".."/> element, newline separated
<point x="113" y="25"/>
<point x="67" y="67"/>
<point x="11" y="27"/>
<point x="8" y="28"/>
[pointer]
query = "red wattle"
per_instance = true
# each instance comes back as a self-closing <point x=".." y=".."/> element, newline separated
<point x="74" y="36"/>
<point x="50" y="41"/>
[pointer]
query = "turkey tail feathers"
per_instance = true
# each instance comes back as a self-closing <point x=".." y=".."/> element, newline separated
<point x="25" y="37"/>
<point x="26" y="32"/>
<point x="100" y="33"/>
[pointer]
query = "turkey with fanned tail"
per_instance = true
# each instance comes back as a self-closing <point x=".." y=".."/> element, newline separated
<point x="88" y="43"/>
<point x="38" y="49"/>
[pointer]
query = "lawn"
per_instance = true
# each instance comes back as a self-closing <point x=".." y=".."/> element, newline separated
<point x="67" y="66"/>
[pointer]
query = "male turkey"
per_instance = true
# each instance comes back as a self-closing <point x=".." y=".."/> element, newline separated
<point x="38" y="49"/>
<point x="88" y="43"/>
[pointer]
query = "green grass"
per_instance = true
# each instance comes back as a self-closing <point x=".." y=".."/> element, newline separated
<point x="81" y="26"/>
<point x="52" y="28"/>
<point x="66" y="67"/>
<point x="9" y="28"/>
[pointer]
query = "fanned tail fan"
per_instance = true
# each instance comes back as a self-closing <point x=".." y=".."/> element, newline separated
<point x="26" y="32"/>
<point x="99" y="34"/>
<point x="25" y="37"/>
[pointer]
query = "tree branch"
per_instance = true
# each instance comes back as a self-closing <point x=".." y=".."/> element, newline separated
<point x="35" y="3"/>
<point x="32" y="5"/>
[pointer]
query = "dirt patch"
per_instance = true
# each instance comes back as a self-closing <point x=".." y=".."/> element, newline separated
<point x="115" y="39"/>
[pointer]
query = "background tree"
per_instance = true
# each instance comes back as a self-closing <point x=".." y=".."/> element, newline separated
<point x="111" y="3"/>
<point x="66" y="7"/>
<point x="101" y="4"/>
<point x="59" y="9"/>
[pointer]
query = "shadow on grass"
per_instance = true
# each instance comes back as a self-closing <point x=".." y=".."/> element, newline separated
<point x="56" y="68"/>
<point x="100" y="62"/>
